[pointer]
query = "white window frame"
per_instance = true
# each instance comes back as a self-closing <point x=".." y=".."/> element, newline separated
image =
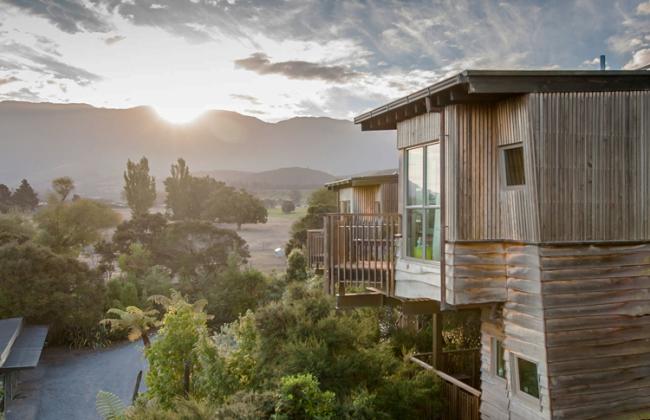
<point x="514" y="377"/>
<point x="494" y="359"/>
<point x="424" y="206"/>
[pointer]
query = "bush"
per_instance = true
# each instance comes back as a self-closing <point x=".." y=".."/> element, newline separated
<point x="296" y="266"/>
<point x="300" y="397"/>
<point x="288" y="207"/>
<point x="51" y="289"/>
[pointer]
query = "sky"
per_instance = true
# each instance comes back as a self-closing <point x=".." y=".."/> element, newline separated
<point x="276" y="59"/>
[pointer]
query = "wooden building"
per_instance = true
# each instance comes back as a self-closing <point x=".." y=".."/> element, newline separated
<point x="527" y="194"/>
<point x="367" y="193"/>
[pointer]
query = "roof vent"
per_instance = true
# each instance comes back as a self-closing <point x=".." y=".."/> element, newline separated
<point x="603" y="62"/>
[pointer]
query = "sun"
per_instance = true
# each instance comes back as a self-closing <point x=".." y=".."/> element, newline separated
<point x="178" y="115"/>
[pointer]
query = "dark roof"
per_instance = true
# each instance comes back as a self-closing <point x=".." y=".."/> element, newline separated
<point x="26" y="351"/>
<point x="387" y="176"/>
<point x="20" y="345"/>
<point x="472" y="86"/>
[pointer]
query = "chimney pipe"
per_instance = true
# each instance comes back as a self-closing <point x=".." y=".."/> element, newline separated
<point x="603" y="64"/>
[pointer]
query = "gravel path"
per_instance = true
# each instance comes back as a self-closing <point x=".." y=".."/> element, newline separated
<point x="65" y="383"/>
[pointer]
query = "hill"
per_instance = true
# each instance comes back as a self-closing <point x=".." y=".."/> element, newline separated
<point x="277" y="179"/>
<point x="41" y="141"/>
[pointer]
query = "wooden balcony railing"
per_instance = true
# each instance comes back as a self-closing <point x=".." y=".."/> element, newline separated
<point x="316" y="249"/>
<point x="460" y="400"/>
<point x="360" y="251"/>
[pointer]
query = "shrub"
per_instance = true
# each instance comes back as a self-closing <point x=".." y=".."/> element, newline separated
<point x="300" y="397"/>
<point x="297" y="266"/>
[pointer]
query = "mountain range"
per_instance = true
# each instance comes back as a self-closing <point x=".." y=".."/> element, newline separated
<point x="41" y="141"/>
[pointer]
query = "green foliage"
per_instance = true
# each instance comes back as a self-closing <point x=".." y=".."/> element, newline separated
<point x="25" y="198"/>
<point x="233" y="291"/>
<point x="15" y="228"/>
<point x="136" y="261"/>
<point x="248" y="405"/>
<point x="133" y="320"/>
<point x="122" y="292"/>
<point x="462" y="329"/>
<point x="300" y="397"/>
<point x="67" y="227"/>
<point x="139" y="187"/>
<point x="5" y="199"/>
<point x="320" y="202"/>
<point x="47" y="288"/>
<point x="179" y="191"/>
<point x="63" y="187"/>
<point x="110" y="406"/>
<point x="143" y="229"/>
<point x="194" y="247"/>
<point x="296" y="266"/>
<point x="227" y="205"/>
<point x="183" y="327"/>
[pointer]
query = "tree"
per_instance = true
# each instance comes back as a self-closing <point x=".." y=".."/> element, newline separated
<point x="297" y="265"/>
<point x="143" y="229"/>
<point x="67" y="227"/>
<point x="321" y="202"/>
<point x="14" y="228"/>
<point x="175" y="351"/>
<point x="63" y="187"/>
<point x="5" y="198"/>
<point x="139" y="187"/>
<point x="134" y="320"/>
<point x="228" y="205"/>
<point x="193" y="247"/>
<point x="178" y="188"/>
<point x="295" y="197"/>
<point x="24" y="197"/>
<point x="288" y="207"/>
<point x="47" y="288"/>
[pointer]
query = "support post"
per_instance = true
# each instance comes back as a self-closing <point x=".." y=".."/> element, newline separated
<point x="436" y="355"/>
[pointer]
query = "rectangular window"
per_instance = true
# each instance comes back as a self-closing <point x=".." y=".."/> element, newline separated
<point x="513" y="165"/>
<point x="499" y="359"/>
<point x="423" y="203"/>
<point x="527" y="377"/>
<point x="344" y="206"/>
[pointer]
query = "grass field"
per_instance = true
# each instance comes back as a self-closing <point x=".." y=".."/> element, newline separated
<point x="297" y="214"/>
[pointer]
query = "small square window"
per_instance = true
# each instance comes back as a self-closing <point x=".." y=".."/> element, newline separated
<point x="513" y="166"/>
<point x="345" y="206"/>
<point x="528" y="379"/>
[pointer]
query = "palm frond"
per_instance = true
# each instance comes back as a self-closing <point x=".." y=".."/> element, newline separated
<point x="109" y="406"/>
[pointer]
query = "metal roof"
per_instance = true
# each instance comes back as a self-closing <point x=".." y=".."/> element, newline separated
<point x="9" y="330"/>
<point x="490" y="85"/>
<point x="386" y="176"/>
<point x="27" y="348"/>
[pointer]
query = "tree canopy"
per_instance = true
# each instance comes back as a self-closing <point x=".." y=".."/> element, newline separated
<point x="139" y="187"/>
<point x="24" y="197"/>
<point x="63" y="187"/>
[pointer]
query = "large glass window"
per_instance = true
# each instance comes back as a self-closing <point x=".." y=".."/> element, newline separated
<point x="527" y="377"/>
<point x="423" y="203"/>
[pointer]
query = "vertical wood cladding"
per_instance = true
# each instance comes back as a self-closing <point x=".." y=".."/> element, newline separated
<point x="424" y="128"/>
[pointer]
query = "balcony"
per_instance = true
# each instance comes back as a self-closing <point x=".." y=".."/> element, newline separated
<point x="356" y="252"/>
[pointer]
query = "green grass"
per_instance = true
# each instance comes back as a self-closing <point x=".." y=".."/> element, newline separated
<point x="297" y="214"/>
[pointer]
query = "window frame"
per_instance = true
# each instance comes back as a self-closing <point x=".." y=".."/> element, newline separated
<point x="517" y="384"/>
<point x="502" y="166"/>
<point x="424" y="207"/>
<point x="495" y="359"/>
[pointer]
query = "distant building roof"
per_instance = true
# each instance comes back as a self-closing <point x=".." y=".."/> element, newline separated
<point x="20" y="345"/>
<point x="472" y="86"/>
<point x="386" y="176"/>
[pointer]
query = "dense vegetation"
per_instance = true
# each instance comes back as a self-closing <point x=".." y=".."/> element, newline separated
<point x="320" y="202"/>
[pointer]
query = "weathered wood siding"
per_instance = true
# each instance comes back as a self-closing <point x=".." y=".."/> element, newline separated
<point x="389" y="200"/>
<point x="422" y="129"/>
<point x="364" y="199"/>
<point x="597" y="315"/>
<point x="494" y="389"/>
<point x="478" y="207"/>
<point x="592" y="162"/>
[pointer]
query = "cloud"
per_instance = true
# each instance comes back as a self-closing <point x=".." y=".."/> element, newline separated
<point x="643" y="8"/>
<point x="156" y="6"/>
<point x="248" y="98"/>
<point x="23" y="94"/>
<point x="45" y="64"/>
<point x="7" y="80"/>
<point x="70" y="16"/>
<point x="114" y="39"/>
<point x="261" y="64"/>
<point x="639" y="60"/>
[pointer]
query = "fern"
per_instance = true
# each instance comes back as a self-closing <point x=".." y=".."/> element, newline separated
<point x="110" y="406"/>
